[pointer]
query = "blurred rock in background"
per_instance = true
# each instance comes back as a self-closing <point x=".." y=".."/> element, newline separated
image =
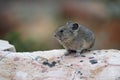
<point x="30" y="24"/>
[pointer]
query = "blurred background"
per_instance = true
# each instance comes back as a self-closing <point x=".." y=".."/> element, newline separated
<point x="30" y="24"/>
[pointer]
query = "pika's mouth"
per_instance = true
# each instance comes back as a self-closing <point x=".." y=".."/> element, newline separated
<point x="55" y="36"/>
<point x="58" y="37"/>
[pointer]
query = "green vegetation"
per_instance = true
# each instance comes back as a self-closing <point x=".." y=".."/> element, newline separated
<point x="27" y="45"/>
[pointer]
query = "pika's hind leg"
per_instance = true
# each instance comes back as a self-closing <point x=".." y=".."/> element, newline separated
<point x="86" y="50"/>
<point x="69" y="52"/>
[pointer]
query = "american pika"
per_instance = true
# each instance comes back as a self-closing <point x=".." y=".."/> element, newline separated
<point x="75" y="37"/>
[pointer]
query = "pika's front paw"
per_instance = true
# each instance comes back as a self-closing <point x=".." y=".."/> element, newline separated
<point x="77" y="54"/>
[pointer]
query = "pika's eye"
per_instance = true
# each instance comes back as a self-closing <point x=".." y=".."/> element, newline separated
<point x="75" y="26"/>
<point x="61" y="31"/>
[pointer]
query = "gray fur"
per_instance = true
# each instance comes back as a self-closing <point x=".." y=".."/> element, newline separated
<point x="75" y="38"/>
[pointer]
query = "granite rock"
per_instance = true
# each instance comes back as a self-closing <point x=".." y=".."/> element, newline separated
<point x="53" y="65"/>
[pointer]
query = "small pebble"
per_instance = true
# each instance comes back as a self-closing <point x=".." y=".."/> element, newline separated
<point x="81" y="60"/>
<point x="50" y="65"/>
<point x="53" y="62"/>
<point x="79" y="72"/>
<point x="45" y="63"/>
<point x="83" y="56"/>
<point x="91" y="57"/>
<point x="93" y="61"/>
<point x="71" y="65"/>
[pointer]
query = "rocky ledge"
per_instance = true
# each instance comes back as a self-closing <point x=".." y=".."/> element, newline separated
<point x="53" y="65"/>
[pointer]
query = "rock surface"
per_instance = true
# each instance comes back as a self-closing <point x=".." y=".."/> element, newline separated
<point x="5" y="46"/>
<point x="53" y="65"/>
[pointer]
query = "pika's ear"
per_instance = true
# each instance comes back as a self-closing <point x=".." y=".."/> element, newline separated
<point x="75" y="26"/>
<point x="69" y="22"/>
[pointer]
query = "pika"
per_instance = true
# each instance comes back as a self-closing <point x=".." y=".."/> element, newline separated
<point x="75" y="38"/>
